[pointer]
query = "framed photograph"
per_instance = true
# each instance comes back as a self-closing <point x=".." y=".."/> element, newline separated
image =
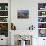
<point x="41" y="25"/>
<point x="3" y="19"/>
<point x="22" y="14"/>
<point x="41" y="6"/>
<point x="41" y="19"/>
<point x="3" y="13"/>
<point x="3" y="6"/>
<point x="42" y="32"/>
<point x="4" y="29"/>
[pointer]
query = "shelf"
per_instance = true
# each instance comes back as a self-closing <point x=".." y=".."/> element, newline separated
<point x="3" y="16"/>
<point x="41" y="10"/>
<point x="42" y="16"/>
<point x="41" y="22"/>
<point x="41" y="28"/>
<point x="42" y="19"/>
<point x="3" y="22"/>
<point x="4" y="19"/>
<point x="3" y="10"/>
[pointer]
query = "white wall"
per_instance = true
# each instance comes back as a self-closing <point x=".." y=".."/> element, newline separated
<point x="23" y="24"/>
<point x="32" y="6"/>
<point x="5" y="39"/>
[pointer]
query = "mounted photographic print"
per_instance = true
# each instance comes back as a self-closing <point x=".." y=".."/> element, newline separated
<point x="4" y="29"/>
<point x="22" y="14"/>
<point x="42" y="33"/>
<point x="3" y="19"/>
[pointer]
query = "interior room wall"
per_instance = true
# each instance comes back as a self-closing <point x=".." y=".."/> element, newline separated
<point x="23" y="24"/>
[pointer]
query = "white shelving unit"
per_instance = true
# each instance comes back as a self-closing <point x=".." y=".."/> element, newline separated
<point x="42" y="18"/>
<point x="3" y="12"/>
<point x="4" y="23"/>
<point x="4" y="17"/>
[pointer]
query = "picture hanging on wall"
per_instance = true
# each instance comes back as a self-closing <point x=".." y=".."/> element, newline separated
<point x="22" y="14"/>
